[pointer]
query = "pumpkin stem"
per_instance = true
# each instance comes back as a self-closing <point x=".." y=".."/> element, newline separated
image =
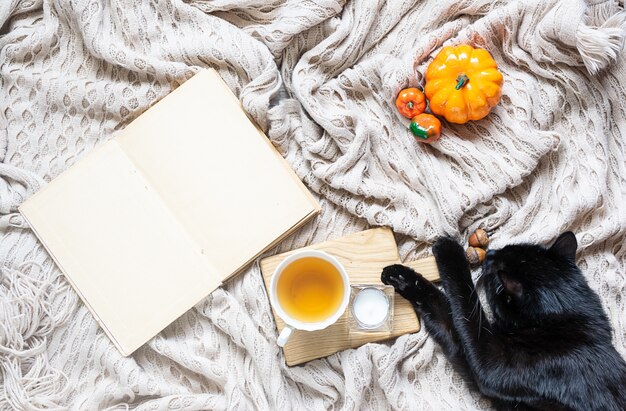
<point x="461" y="80"/>
<point x="410" y="105"/>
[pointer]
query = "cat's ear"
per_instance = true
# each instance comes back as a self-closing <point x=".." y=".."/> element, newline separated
<point x="565" y="246"/>
<point x="511" y="285"/>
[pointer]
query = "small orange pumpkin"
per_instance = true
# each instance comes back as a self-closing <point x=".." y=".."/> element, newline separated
<point x="411" y="102"/>
<point x="426" y="128"/>
<point x="463" y="83"/>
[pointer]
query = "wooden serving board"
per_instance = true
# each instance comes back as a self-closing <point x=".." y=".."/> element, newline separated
<point x="364" y="255"/>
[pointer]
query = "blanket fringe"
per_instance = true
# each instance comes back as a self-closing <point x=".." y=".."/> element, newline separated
<point x="16" y="185"/>
<point x="27" y="317"/>
<point x="600" y="38"/>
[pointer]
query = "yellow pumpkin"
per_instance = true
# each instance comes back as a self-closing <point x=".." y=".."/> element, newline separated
<point x="463" y="83"/>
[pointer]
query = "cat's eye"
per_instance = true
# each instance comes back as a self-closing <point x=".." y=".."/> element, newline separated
<point x="511" y="285"/>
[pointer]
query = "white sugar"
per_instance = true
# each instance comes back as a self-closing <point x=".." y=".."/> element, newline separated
<point x="370" y="307"/>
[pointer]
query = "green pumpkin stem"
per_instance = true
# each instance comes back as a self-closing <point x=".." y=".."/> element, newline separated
<point x="418" y="131"/>
<point x="410" y="105"/>
<point x="461" y="80"/>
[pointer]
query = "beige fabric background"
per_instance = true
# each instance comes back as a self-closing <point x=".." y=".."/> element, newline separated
<point x="320" y="77"/>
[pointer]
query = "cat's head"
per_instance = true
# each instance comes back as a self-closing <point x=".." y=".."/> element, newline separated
<point x="525" y="282"/>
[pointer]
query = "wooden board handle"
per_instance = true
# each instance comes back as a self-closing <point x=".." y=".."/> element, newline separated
<point x="426" y="267"/>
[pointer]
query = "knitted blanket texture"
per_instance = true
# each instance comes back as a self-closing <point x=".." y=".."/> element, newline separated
<point x="320" y="77"/>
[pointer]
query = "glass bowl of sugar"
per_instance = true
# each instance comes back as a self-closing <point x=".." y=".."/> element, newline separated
<point x="371" y="308"/>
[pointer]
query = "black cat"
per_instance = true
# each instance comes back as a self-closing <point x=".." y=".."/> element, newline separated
<point x="548" y="346"/>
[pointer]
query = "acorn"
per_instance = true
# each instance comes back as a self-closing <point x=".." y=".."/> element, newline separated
<point x="479" y="238"/>
<point x="475" y="255"/>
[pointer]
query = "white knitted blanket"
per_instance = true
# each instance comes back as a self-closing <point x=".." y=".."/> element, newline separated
<point x="320" y="77"/>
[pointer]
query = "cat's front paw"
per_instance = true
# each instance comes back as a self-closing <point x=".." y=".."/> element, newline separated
<point x="451" y="261"/>
<point x="407" y="282"/>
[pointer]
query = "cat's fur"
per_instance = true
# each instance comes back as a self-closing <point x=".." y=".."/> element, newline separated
<point x="548" y="346"/>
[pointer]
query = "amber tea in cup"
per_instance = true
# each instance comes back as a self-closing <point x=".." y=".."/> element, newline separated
<point x="309" y="290"/>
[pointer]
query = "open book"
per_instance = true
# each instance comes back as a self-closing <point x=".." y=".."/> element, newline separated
<point x="152" y="221"/>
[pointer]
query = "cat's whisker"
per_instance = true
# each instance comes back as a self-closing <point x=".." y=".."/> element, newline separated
<point x="473" y="310"/>
<point x="476" y="302"/>
<point x="477" y="308"/>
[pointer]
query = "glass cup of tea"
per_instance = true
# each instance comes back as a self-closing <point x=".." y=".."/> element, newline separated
<point x="309" y="291"/>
